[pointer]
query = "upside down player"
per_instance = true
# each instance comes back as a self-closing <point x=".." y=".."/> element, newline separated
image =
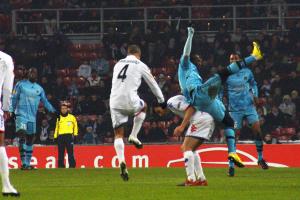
<point x="241" y="89"/>
<point x="124" y="100"/>
<point x="203" y="95"/>
<point x="6" y="85"/>
<point x="200" y="128"/>
<point x="25" y="101"/>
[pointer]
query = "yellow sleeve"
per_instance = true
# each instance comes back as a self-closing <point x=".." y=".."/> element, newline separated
<point x="56" y="129"/>
<point x="75" y="126"/>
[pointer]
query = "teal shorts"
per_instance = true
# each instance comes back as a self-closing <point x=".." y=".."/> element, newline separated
<point x="25" y="125"/>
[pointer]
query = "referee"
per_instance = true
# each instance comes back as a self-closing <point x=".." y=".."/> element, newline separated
<point x="65" y="131"/>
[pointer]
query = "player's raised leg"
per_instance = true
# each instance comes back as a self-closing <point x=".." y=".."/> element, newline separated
<point x="138" y="120"/>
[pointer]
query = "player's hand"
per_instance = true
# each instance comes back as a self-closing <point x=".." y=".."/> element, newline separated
<point x="160" y="111"/>
<point x="191" y="30"/>
<point x="178" y="131"/>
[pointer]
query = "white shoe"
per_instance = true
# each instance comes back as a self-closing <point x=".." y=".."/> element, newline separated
<point x="135" y="141"/>
<point x="11" y="191"/>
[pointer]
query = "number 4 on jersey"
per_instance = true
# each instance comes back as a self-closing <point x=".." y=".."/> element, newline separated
<point x="122" y="74"/>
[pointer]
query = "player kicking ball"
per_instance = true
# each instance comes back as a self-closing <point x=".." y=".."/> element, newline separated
<point x="6" y="85"/>
<point x="124" y="101"/>
<point x="200" y="128"/>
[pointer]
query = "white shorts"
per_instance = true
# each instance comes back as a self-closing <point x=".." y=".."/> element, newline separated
<point x="1" y="122"/>
<point x="201" y="126"/>
<point x="120" y="116"/>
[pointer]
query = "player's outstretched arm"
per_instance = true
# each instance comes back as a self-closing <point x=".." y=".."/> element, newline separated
<point x="46" y="103"/>
<point x="185" y="122"/>
<point x="149" y="79"/>
<point x="188" y="44"/>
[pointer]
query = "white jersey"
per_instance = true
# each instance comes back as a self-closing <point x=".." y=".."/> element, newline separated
<point x="127" y="77"/>
<point x="6" y="80"/>
<point x="201" y="123"/>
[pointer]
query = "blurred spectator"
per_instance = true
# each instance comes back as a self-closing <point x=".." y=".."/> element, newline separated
<point x="44" y="132"/>
<point x="101" y="65"/>
<point x="84" y="70"/>
<point x="156" y="134"/>
<point x="94" y="79"/>
<point x="89" y="136"/>
<point x="287" y="106"/>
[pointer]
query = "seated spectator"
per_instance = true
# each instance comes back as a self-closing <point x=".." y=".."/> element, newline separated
<point x="101" y="65"/>
<point x="175" y="122"/>
<point x="287" y="106"/>
<point x="44" y="132"/>
<point x="96" y="106"/>
<point x="89" y="137"/>
<point x="156" y="134"/>
<point x="274" y="119"/>
<point x="296" y="100"/>
<point x="84" y="70"/>
<point x="72" y="88"/>
<point x="94" y="79"/>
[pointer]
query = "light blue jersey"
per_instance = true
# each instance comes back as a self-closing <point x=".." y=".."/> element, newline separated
<point x="201" y="95"/>
<point x="241" y="88"/>
<point x="25" y="101"/>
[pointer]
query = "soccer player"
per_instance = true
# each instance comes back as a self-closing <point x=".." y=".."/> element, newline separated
<point x="124" y="100"/>
<point x="203" y="95"/>
<point x="25" y="100"/>
<point x="6" y="85"/>
<point x="200" y="128"/>
<point x="241" y="89"/>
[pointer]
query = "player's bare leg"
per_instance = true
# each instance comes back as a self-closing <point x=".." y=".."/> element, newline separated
<point x="7" y="188"/>
<point x="194" y="171"/>
<point x="120" y="148"/>
<point x="137" y="124"/>
<point x="259" y="145"/>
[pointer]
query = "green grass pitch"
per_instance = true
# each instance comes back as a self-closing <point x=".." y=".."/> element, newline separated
<point x="156" y="184"/>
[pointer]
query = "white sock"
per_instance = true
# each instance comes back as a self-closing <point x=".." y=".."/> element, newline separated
<point x="189" y="165"/>
<point x="198" y="167"/>
<point x="137" y="123"/>
<point x="4" y="171"/>
<point x="119" y="147"/>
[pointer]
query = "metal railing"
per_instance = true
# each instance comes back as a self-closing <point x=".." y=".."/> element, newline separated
<point x="206" y="19"/>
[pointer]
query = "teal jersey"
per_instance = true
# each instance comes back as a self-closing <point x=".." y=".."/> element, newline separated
<point x="26" y="98"/>
<point x="241" y="88"/>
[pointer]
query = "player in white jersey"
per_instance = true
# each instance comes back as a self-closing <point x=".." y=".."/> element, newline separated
<point x="124" y="100"/>
<point x="200" y="128"/>
<point x="6" y="85"/>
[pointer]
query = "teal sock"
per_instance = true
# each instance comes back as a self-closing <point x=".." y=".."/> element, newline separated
<point x="22" y="152"/>
<point x="259" y="148"/>
<point x="249" y="60"/>
<point x="230" y="139"/>
<point x="231" y="163"/>
<point x="236" y="66"/>
<point x="28" y="150"/>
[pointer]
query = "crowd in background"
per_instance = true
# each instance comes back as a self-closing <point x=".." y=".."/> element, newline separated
<point x="82" y="74"/>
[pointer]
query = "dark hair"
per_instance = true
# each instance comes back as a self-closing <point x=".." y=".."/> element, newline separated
<point x="133" y="49"/>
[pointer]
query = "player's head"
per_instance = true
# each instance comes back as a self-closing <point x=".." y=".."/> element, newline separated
<point x="134" y="50"/>
<point x="32" y="74"/>
<point x="197" y="60"/>
<point x="234" y="57"/>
